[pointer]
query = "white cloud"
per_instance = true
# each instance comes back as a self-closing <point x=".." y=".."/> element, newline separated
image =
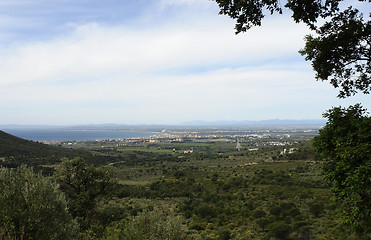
<point x="185" y="69"/>
<point x="94" y="50"/>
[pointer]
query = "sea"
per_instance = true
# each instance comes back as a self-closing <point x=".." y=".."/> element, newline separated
<point x="64" y="135"/>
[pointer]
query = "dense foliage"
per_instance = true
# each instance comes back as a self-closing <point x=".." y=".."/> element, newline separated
<point x="250" y="13"/>
<point x="345" y="144"/>
<point x="84" y="186"/>
<point x="33" y="207"/>
<point x="341" y="52"/>
<point x="147" y="225"/>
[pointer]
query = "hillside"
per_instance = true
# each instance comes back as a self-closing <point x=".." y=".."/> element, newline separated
<point x="14" y="146"/>
<point x="15" y="151"/>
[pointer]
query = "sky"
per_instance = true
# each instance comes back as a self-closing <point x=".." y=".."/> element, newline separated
<point x="68" y="62"/>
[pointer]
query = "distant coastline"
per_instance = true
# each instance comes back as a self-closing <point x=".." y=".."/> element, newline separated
<point x="92" y="132"/>
<point x="64" y="135"/>
<point x="191" y="124"/>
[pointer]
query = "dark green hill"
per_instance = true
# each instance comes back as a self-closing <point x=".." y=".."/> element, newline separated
<point x="14" y="146"/>
<point x="15" y="151"/>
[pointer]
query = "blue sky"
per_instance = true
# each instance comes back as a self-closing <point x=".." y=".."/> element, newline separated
<point x="151" y="62"/>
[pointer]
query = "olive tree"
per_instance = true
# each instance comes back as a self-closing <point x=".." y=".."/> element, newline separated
<point x="33" y="207"/>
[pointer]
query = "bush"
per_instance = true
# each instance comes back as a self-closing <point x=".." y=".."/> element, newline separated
<point x="279" y="230"/>
<point x="205" y="211"/>
<point x="259" y="214"/>
<point x="224" y="234"/>
<point x="263" y="223"/>
<point x="150" y="226"/>
<point x="316" y="209"/>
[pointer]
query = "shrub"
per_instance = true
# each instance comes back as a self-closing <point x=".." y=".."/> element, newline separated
<point x="316" y="209"/>
<point x="279" y="230"/>
<point x="263" y="223"/>
<point x="259" y="213"/>
<point x="151" y="226"/>
<point x="205" y="210"/>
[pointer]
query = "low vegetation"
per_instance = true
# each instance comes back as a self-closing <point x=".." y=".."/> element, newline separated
<point x="199" y="188"/>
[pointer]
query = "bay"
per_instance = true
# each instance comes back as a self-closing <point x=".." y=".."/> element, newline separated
<point x="64" y="135"/>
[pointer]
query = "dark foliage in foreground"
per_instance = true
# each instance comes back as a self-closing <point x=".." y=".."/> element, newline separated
<point x="345" y="144"/>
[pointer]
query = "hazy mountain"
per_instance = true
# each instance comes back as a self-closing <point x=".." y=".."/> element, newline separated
<point x="263" y="123"/>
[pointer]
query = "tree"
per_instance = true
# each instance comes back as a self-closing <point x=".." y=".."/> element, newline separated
<point x="32" y="207"/>
<point x="84" y="186"/>
<point x="345" y="144"/>
<point x="340" y="53"/>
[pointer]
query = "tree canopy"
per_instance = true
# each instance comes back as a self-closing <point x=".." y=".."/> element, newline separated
<point x="340" y="50"/>
<point x="345" y="145"/>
